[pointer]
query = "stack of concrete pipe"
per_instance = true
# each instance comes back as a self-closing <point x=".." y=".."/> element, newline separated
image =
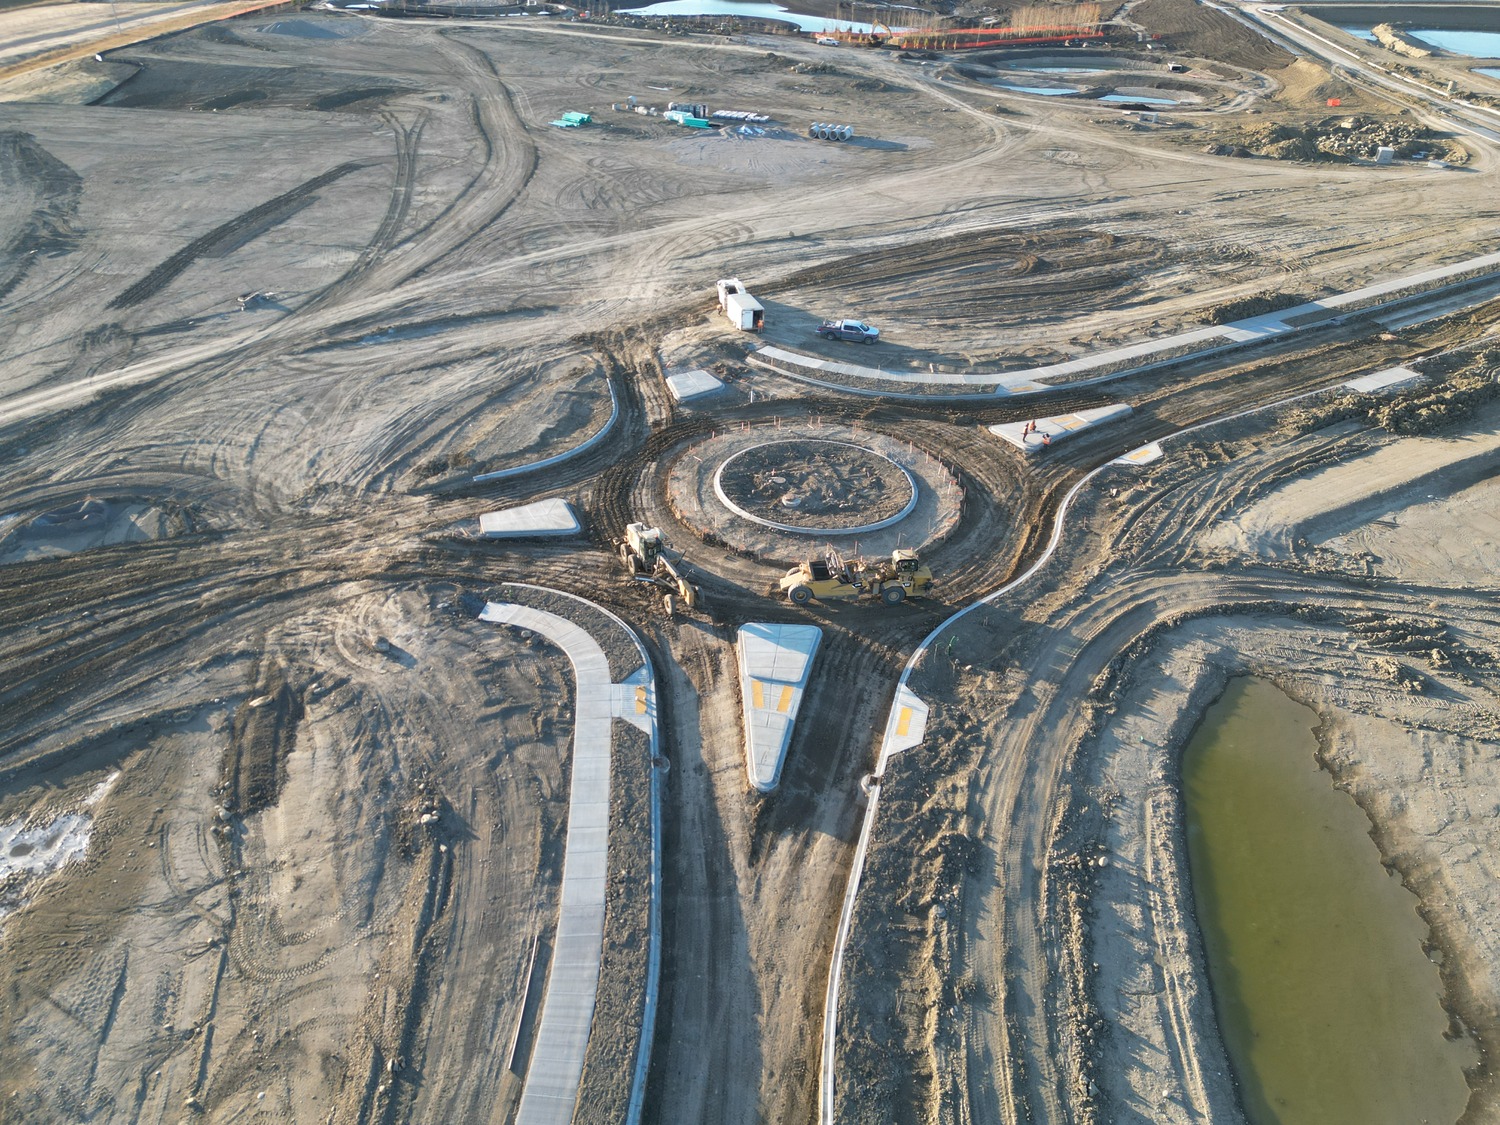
<point x="826" y="132"/>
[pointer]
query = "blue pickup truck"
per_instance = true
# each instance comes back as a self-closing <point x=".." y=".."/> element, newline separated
<point x="848" y="330"/>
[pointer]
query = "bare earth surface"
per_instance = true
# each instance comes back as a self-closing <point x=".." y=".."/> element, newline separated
<point x="282" y="822"/>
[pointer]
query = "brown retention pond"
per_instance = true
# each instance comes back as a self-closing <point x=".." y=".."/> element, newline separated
<point x="1328" y="1004"/>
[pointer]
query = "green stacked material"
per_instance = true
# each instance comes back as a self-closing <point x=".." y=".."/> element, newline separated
<point x="690" y="122"/>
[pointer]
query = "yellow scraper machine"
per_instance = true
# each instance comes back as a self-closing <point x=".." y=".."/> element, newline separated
<point x="643" y="551"/>
<point x="832" y="577"/>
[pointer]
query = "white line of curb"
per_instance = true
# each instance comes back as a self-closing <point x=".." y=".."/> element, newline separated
<point x="547" y="462"/>
<point x="892" y="744"/>
<point x="653" y="955"/>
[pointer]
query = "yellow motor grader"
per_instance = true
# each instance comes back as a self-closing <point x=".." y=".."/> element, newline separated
<point x="643" y="551"/>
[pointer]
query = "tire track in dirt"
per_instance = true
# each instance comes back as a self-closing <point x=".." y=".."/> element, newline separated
<point x="408" y="139"/>
<point x="1023" y="789"/>
<point x="760" y="863"/>
<point x="1021" y="942"/>
<point x="509" y="163"/>
<point x="29" y="170"/>
<point x="1024" y="972"/>
<point x="230" y="236"/>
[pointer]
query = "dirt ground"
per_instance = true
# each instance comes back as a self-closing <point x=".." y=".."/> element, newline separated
<point x="291" y="819"/>
<point x="1055" y="988"/>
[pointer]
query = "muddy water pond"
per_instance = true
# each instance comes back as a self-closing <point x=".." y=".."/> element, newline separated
<point x="1326" y="999"/>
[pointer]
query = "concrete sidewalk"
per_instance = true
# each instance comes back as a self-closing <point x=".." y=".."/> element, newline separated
<point x="1149" y="353"/>
<point x="556" y="1067"/>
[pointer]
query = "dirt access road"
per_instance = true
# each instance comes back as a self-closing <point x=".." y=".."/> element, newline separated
<point x="274" y="655"/>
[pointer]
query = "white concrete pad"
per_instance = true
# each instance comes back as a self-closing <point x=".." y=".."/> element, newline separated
<point x="779" y="652"/>
<point x="907" y="724"/>
<point x="1383" y="380"/>
<point x="685" y="385"/>
<point x="775" y="663"/>
<point x="545" y="517"/>
<point x="1038" y="433"/>
<point x="1142" y="456"/>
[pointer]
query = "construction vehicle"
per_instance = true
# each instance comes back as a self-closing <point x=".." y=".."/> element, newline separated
<point x="643" y="551"/>
<point x="833" y="577"/>
<point x="744" y="311"/>
<point x="851" y="330"/>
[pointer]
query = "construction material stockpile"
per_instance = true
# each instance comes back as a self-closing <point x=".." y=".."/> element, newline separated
<point x="739" y="115"/>
<point x="826" y="132"/>
<point x="1394" y="40"/>
<point x="690" y="115"/>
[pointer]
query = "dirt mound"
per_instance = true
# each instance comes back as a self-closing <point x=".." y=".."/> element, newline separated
<point x="1344" y="138"/>
<point x="816" y="484"/>
<point x="1196" y="29"/>
<point x="1257" y="304"/>
<point x="83" y="526"/>
<point x="1424" y="411"/>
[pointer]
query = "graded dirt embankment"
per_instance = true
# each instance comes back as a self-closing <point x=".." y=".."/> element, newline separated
<point x="45" y="35"/>
<point x="1209" y="33"/>
<point x="1047" y="920"/>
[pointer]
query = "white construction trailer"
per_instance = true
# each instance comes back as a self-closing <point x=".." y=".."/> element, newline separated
<point x="744" y="311"/>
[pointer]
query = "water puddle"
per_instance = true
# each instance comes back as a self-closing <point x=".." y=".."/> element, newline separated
<point x="1492" y="71"/>
<point x="82" y="526"/>
<point x="1133" y="98"/>
<point x="1474" y="44"/>
<point x="1045" y="91"/>
<point x="1327" y="1002"/>
<point x="307" y="29"/>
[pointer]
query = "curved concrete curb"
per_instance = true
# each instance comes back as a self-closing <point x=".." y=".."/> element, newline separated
<point x="904" y="729"/>
<point x="896" y="739"/>
<point x="879" y="525"/>
<point x="550" y="1092"/>
<point x="582" y="447"/>
<point x="1133" y="359"/>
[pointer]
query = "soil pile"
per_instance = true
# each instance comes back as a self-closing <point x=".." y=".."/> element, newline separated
<point x="1342" y="139"/>
<point x="816" y="484"/>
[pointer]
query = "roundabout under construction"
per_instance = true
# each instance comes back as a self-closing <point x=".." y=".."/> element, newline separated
<point x="454" y="672"/>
